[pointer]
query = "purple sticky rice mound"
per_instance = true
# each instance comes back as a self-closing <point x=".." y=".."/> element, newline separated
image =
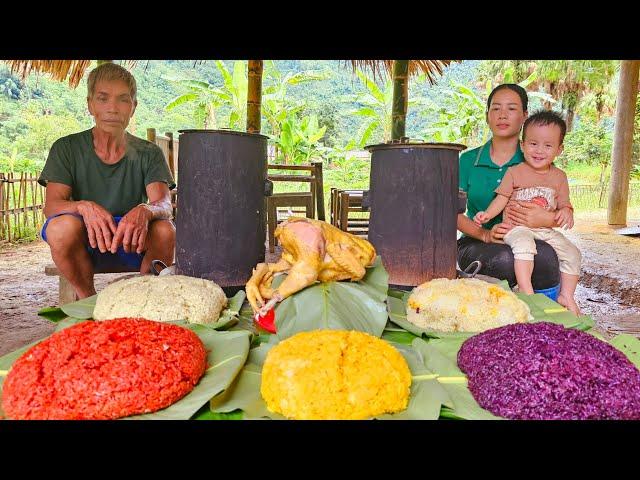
<point x="543" y="371"/>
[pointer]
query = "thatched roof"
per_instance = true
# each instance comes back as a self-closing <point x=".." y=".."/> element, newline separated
<point x="60" y="70"/>
<point x="74" y="70"/>
<point x="431" y="68"/>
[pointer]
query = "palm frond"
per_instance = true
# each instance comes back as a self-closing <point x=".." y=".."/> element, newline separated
<point x="61" y="70"/>
<point x="431" y="68"/>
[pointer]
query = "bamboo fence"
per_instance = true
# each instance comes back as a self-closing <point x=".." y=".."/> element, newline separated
<point x="21" y="204"/>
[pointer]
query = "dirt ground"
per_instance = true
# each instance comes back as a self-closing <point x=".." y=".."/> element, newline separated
<point x="609" y="289"/>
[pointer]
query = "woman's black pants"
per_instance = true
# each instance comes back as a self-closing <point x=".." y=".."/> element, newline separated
<point x="497" y="261"/>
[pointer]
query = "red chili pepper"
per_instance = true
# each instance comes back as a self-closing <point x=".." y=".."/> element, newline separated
<point x="267" y="322"/>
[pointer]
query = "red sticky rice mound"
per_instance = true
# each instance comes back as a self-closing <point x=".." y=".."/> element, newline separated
<point x="104" y="370"/>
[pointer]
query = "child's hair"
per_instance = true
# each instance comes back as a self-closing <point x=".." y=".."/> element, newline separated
<point x="522" y="93"/>
<point x="546" y="117"/>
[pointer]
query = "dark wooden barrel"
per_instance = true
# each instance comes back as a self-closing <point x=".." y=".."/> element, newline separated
<point x="414" y="204"/>
<point x="220" y="224"/>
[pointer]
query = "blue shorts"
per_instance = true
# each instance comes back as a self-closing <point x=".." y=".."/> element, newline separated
<point x="104" y="261"/>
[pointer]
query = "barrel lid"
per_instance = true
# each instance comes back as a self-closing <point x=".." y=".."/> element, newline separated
<point x="426" y="145"/>
<point x="224" y="131"/>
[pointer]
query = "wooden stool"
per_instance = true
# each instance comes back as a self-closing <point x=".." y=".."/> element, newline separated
<point x="66" y="292"/>
<point x="300" y="199"/>
<point x="345" y="207"/>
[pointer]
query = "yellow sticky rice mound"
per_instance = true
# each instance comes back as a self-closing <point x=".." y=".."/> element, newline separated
<point x="464" y="305"/>
<point x="335" y="374"/>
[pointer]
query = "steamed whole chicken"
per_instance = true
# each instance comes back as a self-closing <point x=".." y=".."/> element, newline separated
<point x="312" y="250"/>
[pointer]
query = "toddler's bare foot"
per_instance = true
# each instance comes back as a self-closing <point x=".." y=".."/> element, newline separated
<point x="569" y="303"/>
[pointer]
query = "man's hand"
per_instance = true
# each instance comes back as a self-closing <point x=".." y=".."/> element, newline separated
<point x="132" y="230"/>
<point x="528" y="214"/>
<point x="497" y="233"/>
<point x="564" y="218"/>
<point x="100" y="225"/>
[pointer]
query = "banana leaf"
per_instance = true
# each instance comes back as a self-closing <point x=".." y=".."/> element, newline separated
<point x="543" y="309"/>
<point x="53" y="314"/>
<point x="425" y="402"/>
<point x="446" y="364"/>
<point x="227" y="353"/>
<point x="336" y="305"/>
<point x="230" y="315"/>
<point x="402" y="338"/>
<point x="83" y="309"/>
<point x="629" y="345"/>
<point x="205" y="413"/>
<point x="461" y="402"/>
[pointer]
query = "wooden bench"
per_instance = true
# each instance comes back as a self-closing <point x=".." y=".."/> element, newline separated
<point x="66" y="292"/>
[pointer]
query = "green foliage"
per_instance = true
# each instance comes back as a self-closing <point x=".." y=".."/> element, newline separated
<point x="570" y="83"/>
<point x="460" y="118"/>
<point x="589" y="143"/>
<point x="277" y="105"/>
<point x="352" y="109"/>
<point x="461" y="115"/>
<point x="298" y="141"/>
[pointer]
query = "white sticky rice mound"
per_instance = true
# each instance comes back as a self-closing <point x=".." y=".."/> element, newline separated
<point x="464" y="305"/>
<point x="163" y="299"/>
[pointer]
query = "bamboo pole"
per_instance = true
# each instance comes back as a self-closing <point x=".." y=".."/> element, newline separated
<point x="400" y="99"/>
<point x="25" y="214"/>
<point x="13" y="196"/>
<point x="254" y="95"/>
<point x="623" y="143"/>
<point x="1" y="206"/>
<point x="170" y="157"/>
<point x="34" y="189"/>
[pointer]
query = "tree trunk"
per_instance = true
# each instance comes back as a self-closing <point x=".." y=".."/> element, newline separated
<point x="570" y="116"/>
<point x="254" y="95"/>
<point x="400" y="98"/>
<point x="623" y="142"/>
<point x="551" y="88"/>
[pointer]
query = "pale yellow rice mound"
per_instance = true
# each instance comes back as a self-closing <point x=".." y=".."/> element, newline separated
<point x="335" y="374"/>
<point x="464" y="305"/>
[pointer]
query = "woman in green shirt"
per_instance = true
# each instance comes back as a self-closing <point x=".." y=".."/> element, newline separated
<point x="481" y="171"/>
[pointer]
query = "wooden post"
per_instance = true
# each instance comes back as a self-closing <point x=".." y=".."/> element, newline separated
<point x="170" y="159"/>
<point x="254" y="95"/>
<point x="623" y="143"/>
<point x="400" y="98"/>
<point x="151" y="135"/>
<point x="344" y="211"/>
<point x="319" y="189"/>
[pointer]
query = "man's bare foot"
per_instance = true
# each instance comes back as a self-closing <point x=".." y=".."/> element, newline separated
<point x="569" y="303"/>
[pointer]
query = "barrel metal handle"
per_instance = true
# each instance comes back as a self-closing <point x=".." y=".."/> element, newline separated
<point x="154" y="264"/>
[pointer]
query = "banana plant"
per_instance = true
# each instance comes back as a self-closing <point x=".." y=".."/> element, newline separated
<point x="298" y="141"/>
<point x="277" y="107"/>
<point x="235" y="93"/>
<point x="376" y="106"/>
<point x="206" y="97"/>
